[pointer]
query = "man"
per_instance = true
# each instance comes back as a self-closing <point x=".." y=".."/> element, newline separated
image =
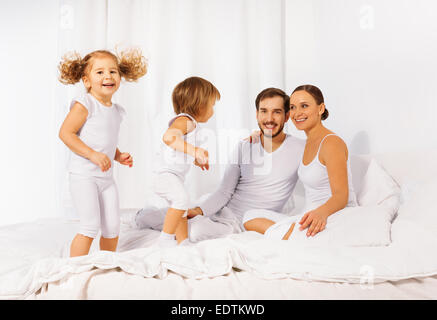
<point x="259" y="176"/>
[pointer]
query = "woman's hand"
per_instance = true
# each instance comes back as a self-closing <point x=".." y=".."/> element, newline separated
<point x="101" y="160"/>
<point x="201" y="158"/>
<point x="254" y="137"/>
<point x="125" y="158"/>
<point x="314" y="221"/>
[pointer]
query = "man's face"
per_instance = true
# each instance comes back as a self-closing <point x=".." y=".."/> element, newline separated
<point x="271" y="116"/>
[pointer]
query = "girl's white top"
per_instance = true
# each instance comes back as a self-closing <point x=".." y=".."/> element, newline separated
<point x="315" y="180"/>
<point x="177" y="162"/>
<point x="99" y="132"/>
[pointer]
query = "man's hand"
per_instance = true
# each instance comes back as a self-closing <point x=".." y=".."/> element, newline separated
<point x="194" y="212"/>
<point x="314" y="221"/>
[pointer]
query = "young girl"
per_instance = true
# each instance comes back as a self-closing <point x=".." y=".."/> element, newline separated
<point x="193" y="102"/>
<point x="90" y="130"/>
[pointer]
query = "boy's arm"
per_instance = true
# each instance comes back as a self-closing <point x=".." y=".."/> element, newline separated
<point x="173" y="136"/>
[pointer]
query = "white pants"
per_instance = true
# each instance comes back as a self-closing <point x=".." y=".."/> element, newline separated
<point x="96" y="202"/>
<point x="199" y="228"/>
<point x="171" y="187"/>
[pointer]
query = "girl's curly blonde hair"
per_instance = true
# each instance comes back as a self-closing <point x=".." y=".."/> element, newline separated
<point x="131" y="65"/>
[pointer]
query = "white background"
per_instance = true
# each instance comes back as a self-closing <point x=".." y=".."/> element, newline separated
<point x="375" y="62"/>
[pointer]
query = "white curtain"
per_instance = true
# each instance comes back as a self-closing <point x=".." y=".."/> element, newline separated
<point x="373" y="59"/>
<point x="236" y="44"/>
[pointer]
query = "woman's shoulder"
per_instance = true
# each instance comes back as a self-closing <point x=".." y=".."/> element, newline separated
<point x="333" y="145"/>
<point x="332" y="138"/>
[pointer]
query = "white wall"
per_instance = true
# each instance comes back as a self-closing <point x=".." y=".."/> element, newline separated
<point x="375" y="61"/>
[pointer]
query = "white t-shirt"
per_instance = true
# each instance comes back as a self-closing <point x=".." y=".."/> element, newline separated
<point x="177" y="162"/>
<point x="256" y="179"/>
<point x="99" y="132"/>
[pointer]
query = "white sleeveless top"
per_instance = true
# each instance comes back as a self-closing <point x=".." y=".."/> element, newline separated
<point x="177" y="162"/>
<point x="314" y="177"/>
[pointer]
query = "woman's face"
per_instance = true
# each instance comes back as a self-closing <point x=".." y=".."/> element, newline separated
<point x="304" y="110"/>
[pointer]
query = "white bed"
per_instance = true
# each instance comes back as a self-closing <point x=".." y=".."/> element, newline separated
<point x="35" y="264"/>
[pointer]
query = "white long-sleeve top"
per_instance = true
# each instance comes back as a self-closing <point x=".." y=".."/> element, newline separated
<point x="256" y="179"/>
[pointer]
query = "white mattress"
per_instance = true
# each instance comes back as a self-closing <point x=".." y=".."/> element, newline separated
<point x="237" y="285"/>
<point x="24" y="245"/>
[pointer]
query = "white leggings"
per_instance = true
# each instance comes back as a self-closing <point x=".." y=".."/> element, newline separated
<point x="96" y="202"/>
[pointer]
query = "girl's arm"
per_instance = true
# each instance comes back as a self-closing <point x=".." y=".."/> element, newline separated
<point x="123" y="157"/>
<point x="68" y="134"/>
<point x="334" y="156"/>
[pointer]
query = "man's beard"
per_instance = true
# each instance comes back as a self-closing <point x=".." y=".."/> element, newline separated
<point x="271" y="136"/>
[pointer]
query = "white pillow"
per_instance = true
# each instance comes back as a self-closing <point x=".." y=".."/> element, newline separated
<point x="379" y="188"/>
<point x="360" y="226"/>
<point x="352" y="226"/>
<point x="421" y="205"/>
<point x="417" y="216"/>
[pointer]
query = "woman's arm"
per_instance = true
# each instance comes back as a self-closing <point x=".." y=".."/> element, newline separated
<point x="68" y="134"/>
<point x="333" y="155"/>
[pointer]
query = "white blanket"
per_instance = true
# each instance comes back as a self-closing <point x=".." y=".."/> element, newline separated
<point x="411" y="254"/>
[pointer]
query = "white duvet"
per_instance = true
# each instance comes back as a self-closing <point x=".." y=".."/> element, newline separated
<point x="36" y="253"/>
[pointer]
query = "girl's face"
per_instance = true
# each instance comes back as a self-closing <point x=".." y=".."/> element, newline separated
<point x="103" y="78"/>
<point x="304" y="110"/>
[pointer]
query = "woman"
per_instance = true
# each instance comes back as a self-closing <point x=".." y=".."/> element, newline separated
<point x="324" y="171"/>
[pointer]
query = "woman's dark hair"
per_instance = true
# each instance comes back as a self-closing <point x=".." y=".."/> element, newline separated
<point x="316" y="93"/>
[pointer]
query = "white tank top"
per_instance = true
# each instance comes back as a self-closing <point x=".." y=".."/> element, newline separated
<point x="177" y="162"/>
<point x="314" y="177"/>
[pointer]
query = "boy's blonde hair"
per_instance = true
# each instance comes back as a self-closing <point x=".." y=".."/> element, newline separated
<point x="131" y="65"/>
<point x="192" y="95"/>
